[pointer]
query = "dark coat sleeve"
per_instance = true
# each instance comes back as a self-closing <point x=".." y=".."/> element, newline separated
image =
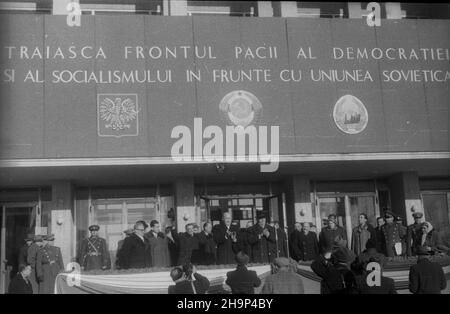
<point x="256" y="279"/>
<point x="253" y="235"/>
<point x="391" y="289"/>
<point x="219" y="234"/>
<point x="62" y="267"/>
<point x="39" y="270"/>
<point x="442" y="279"/>
<point x="408" y="241"/>
<point x="316" y="245"/>
<point x="413" y="280"/>
<point x="15" y="287"/>
<point x="125" y="252"/>
<point x="319" y="268"/>
<point x="83" y="253"/>
<point x="106" y="260"/>
<point x="202" y="283"/>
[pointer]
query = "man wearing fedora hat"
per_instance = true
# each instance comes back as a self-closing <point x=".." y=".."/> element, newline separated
<point x="242" y="280"/>
<point x="331" y="232"/>
<point x="49" y="264"/>
<point x="285" y="279"/>
<point x="94" y="252"/>
<point x="413" y="234"/>
<point x="426" y="277"/>
<point x="119" y="257"/>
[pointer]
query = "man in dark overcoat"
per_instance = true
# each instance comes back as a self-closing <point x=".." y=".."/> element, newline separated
<point x="306" y="246"/>
<point x="225" y="235"/>
<point x="136" y="251"/>
<point x="263" y="241"/>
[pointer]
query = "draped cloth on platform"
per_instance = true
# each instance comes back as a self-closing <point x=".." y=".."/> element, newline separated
<point x="151" y="282"/>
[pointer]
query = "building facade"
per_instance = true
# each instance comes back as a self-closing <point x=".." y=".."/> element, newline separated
<point x="128" y="116"/>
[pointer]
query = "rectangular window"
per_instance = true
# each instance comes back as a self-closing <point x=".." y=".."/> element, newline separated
<point x="436" y="207"/>
<point x="117" y="209"/>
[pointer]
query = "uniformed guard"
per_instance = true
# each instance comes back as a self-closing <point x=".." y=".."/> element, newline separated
<point x="392" y="236"/>
<point x="413" y="234"/>
<point x="403" y="234"/>
<point x="49" y="264"/>
<point x="32" y="252"/>
<point x="23" y="253"/>
<point x="93" y="252"/>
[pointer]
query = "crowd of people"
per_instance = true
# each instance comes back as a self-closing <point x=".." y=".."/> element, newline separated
<point x="340" y="267"/>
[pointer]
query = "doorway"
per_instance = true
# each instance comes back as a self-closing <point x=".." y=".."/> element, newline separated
<point x="17" y="220"/>
<point x="246" y="209"/>
<point x="346" y="207"/>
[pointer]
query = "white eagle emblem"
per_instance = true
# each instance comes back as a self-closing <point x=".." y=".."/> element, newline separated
<point x="118" y="113"/>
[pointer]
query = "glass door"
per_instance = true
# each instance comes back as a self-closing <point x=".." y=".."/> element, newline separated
<point x="347" y="208"/>
<point x="17" y="220"/>
<point x="116" y="215"/>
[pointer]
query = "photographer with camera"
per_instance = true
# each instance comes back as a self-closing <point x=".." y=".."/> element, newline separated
<point x="188" y="281"/>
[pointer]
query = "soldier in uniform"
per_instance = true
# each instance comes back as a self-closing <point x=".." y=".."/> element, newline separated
<point x="94" y="253"/>
<point x="392" y="236"/>
<point x="49" y="264"/>
<point x="23" y="253"/>
<point x="31" y="260"/>
<point x="403" y="233"/>
<point x="413" y="234"/>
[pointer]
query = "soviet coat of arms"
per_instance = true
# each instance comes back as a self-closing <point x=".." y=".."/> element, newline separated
<point x="241" y="108"/>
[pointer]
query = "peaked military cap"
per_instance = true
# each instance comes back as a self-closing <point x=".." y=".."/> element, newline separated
<point x="94" y="228"/>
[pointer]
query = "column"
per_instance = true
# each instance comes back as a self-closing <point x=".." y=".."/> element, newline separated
<point x="393" y="10"/>
<point x="298" y="200"/>
<point x="289" y="9"/>
<point x="265" y="9"/>
<point x="185" y="209"/>
<point x="405" y="195"/>
<point x="354" y="10"/>
<point x="60" y="6"/>
<point x="62" y="221"/>
<point x="178" y="7"/>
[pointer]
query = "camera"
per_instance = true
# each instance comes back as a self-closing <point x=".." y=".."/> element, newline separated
<point x="188" y="270"/>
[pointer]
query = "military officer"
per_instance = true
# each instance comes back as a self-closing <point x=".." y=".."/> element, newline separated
<point x="31" y="260"/>
<point x="49" y="264"/>
<point x="413" y="234"/>
<point x="23" y="253"/>
<point x="403" y="233"/>
<point x="93" y="252"/>
<point x="392" y="235"/>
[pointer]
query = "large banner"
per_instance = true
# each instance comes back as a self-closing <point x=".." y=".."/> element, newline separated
<point x="154" y="86"/>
